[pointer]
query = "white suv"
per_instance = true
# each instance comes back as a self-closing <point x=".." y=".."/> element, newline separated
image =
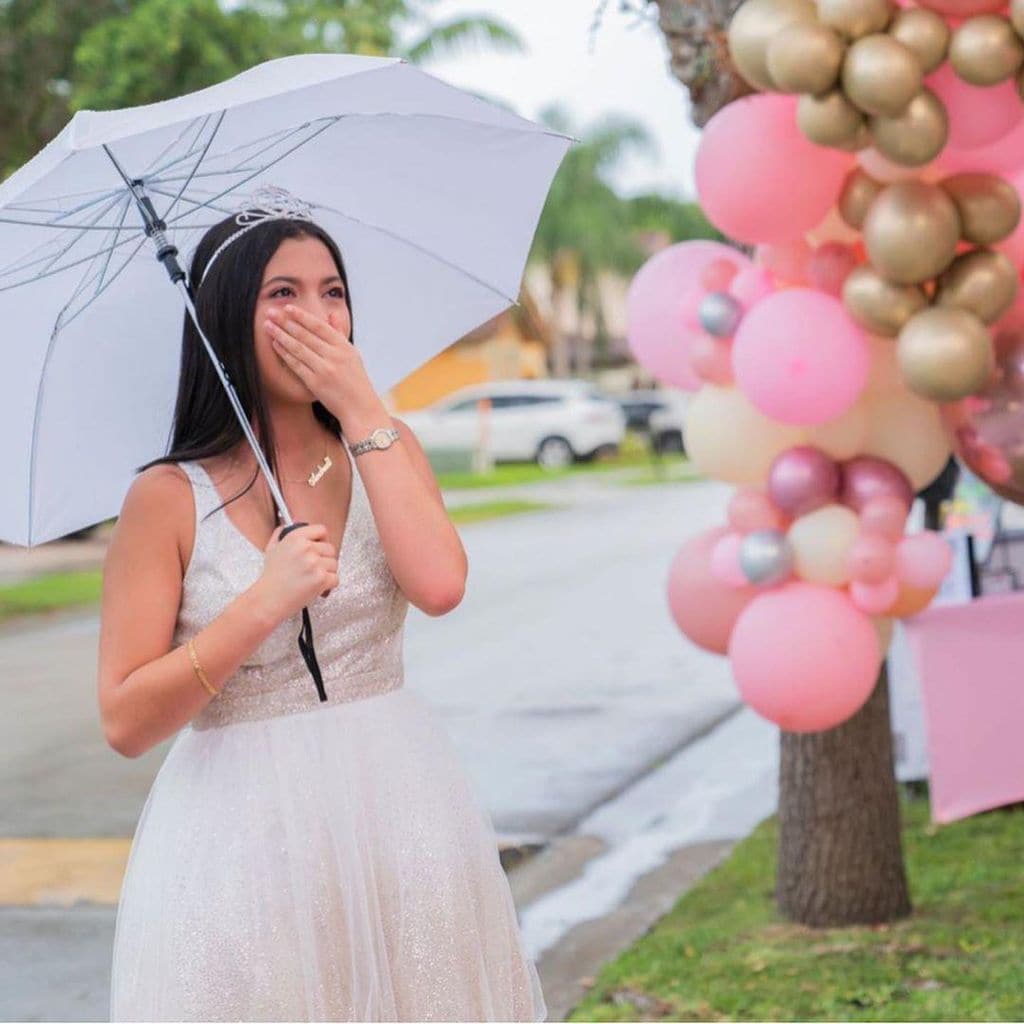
<point x="552" y="422"/>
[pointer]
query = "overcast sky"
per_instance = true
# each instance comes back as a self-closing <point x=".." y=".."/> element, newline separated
<point x="626" y="72"/>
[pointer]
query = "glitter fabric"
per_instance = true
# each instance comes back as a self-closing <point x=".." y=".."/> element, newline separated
<point x="301" y="861"/>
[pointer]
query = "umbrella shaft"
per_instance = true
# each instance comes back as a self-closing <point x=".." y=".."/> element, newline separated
<point x="237" y="406"/>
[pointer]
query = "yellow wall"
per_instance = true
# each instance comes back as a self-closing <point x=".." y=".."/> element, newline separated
<point x="502" y="356"/>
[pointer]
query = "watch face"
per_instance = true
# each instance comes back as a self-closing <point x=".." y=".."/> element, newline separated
<point x="381" y="438"/>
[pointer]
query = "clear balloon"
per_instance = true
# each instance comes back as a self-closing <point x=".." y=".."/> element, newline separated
<point x="988" y="428"/>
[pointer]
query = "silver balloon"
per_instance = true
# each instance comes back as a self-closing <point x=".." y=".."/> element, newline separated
<point x="720" y="314"/>
<point x="766" y="557"/>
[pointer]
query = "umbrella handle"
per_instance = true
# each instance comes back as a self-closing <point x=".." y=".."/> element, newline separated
<point x="306" y="634"/>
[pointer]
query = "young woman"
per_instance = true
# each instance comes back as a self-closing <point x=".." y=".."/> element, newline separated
<point x="294" y="860"/>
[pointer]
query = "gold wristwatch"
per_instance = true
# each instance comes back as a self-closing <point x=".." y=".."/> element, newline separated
<point x="382" y="437"/>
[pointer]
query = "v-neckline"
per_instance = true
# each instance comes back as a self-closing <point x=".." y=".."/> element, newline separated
<point x="258" y="550"/>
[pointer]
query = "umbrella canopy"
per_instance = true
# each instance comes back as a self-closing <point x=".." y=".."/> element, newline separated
<point x="433" y="195"/>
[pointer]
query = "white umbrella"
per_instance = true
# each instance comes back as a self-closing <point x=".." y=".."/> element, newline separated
<point x="432" y="194"/>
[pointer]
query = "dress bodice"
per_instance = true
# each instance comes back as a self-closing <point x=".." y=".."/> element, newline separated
<point x="357" y="629"/>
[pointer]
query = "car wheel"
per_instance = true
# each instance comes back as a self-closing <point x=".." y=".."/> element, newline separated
<point x="554" y="453"/>
<point x="670" y="441"/>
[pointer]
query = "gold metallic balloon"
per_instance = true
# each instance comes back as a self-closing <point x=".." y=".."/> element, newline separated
<point x="945" y="354"/>
<point x="985" y="50"/>
<point x="855" y="18"/>
<point x="925" y="33"/>
<point x="916" y="136"/>
<point x="829" y="120"/>
<point x="805" y="58"/>
<point x="989" y="206"/>
<point x="754" y="26"/>
<point x="911" y="232"/>
<point x="858" y="193"/>
<point x="1017" y="15"/>
<point x="982" y="281"/>
<point x="879" y="305"/>
<point x="881" y="75"/>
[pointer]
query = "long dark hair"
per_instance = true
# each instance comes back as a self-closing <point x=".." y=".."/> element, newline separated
<point x="205" y="424"/>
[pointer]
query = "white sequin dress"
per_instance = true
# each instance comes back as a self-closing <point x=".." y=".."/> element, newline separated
<point x="305" y="861"/>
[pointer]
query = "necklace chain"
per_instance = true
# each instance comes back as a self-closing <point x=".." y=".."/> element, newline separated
<point x="319" y="471"/>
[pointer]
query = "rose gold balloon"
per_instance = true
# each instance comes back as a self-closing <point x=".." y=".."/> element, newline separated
<point x="925" y="33"/>
<point x="859" y="191"/>
<point x="989" y="206"/>
<point x="982" y="281"/>
<point x="916" y="136"/>
<point x="911" y="232"/>
<point x="945" y="354"/>
<point x="882" y="307"/>
<point x="881" y="75"/>
<point x="805" y="58"/>
<point x="830" y="120"/>
<point x="985" y="50"/>
<point x="752" y="29"/>
<point x="988" y="428"/>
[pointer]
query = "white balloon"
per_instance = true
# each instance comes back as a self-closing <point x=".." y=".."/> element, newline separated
<point x="821" y="544"/>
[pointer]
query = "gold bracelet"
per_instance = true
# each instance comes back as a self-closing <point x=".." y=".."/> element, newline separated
<point x="199" y="670"/>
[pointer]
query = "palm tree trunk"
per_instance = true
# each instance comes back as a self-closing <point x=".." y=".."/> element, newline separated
<point x="695" y="31"/>
<point x="840" y="852"/>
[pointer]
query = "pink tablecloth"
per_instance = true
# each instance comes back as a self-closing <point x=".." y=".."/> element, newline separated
<point x="970" y="661"/>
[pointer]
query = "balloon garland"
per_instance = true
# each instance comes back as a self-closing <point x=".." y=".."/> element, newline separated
<point x="878" y="327"/>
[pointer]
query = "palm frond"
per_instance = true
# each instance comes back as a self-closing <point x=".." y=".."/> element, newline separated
<point x="462" y="35"/>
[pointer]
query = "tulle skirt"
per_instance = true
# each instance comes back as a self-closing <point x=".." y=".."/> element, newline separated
<point x="331" y="864"/>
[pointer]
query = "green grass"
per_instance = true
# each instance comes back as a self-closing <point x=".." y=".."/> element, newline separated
<point x="68" y="589"/>
<point x="481" y="510"/>
<point x="513" y="473"/>
<point x="50" y="592"/>
<point x="676" y="470"/>
<point x="723" y="953"/>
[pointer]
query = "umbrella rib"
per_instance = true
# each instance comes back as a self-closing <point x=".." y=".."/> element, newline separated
<point x="110" y="251"/>
<point x="195" y="166"/>
<point x="102" y="213"/>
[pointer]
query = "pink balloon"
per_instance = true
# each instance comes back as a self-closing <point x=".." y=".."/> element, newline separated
<point x="751" y="510"/>
<point x="661" y="301"/>
<point x="1003" y="156"/>
<point x="718" y="276"/>
<point x="866" y="478"/>
<point x="872" y="560"/>
<point x="752" y="153"/>
<point x="829" y="266"/>
<point x="711" y="360"/>
<point x="875" y="598"/>
<point x="978" y="115"/>
<point x="725" y="561"/>
<point x="886" y="516"/>
<point x="923" y="561"/>
<point x="752" y="285"/>
<point x="785" y="261"/>
<point x="804" y="657"/>
<point x="704" y="609"/>
<point x="962" y="8"/>
<point x="800" y="357"/>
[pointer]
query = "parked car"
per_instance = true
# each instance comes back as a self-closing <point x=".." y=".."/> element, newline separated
<point x="659" y="413"/>
<point x="550" y="422"/>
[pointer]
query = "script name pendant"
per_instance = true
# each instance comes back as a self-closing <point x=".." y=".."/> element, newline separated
<point x="317" y="473"/>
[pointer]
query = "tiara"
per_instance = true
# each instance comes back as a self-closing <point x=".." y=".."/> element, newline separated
<point x="268" y="202"/>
